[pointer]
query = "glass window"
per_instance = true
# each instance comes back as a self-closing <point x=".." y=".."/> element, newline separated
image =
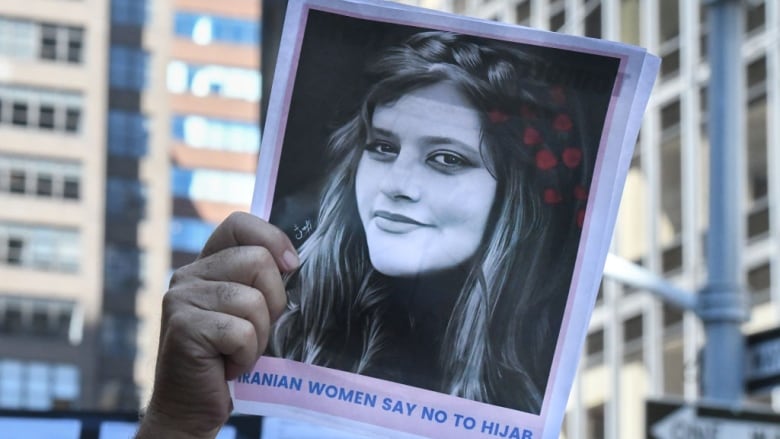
<point x="670" y="19"/>
<point x="19" y="113"/>
<point x="48" y="48"/>
<point x="202" y="132"/>
<point x="71" y="188"/>
<point x="38" y="385"/>
<point x="45" y="185"/>
<point x="596" y="422"/>
<point x="75" y="44"/>
<point x="18" y="184"/>
<point x="123" y="268"/>
<point x="39" y="177"/>
<point x="125" y="197"/>
<point x="18" y="38"/>
<point x="128" y="67"/>
<point x="594" y="343"/>
<point x="130" y="12"/>
<point x="127" y="134"/>
<point x="189" y="235"/>
<point x="72" y="120"/>
<point x="557" y="15"/>
<point x="14" y="251"/>
<point x="38" y="247"/>
<point x="208" y="29"/>
<point x="523" y="12"/>
<point x="212" y="185"/>
<point x="46" y="117"/>
<point x="10" y="384"/>
<point x="206" y="80"/>
<point x="755" y="16"/>
<point x="40" y="108"/>
<point x="118" y="335"/>
<point x="37" y="317"/>
<point x="593" y="19"/>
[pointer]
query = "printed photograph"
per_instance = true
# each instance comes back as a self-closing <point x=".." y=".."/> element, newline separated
<point x="436" y="185"/>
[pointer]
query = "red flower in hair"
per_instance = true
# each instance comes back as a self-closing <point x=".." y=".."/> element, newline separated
<point x="580" y="218"/>
<point x="558" y="95"/>
<point x="531" y="136"/>
<point x="545" y="160"/>
<point x="497" y="116"/>
<point x="552" y="196"/>
<point x="572" y="157"/>
<point x="580" y="193"/>
<point x="562" y="122"/>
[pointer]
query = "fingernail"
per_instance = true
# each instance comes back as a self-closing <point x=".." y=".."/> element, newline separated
<point x="291" y="260"/>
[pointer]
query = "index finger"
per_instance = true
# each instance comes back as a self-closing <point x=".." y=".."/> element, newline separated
<point x="242" y="229"/>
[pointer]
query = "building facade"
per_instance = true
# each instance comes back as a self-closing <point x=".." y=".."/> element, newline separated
<point x="128" y="130"/>
<point x="639" y="348"/>
<point x="52" y="175"/>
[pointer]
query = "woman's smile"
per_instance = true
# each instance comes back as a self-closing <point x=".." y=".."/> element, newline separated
<point x="396" y="223"/>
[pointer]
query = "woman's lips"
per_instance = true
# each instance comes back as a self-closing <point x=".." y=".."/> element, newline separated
<point x="395" y="222"/>
<point x="397" y="217"/>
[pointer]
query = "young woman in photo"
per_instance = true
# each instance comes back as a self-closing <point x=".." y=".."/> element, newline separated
<point x="448" y="226"/>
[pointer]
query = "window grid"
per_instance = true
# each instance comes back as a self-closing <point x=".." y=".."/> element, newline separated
<point x="38" y="385"/>
<point x="32" y="107"/>
<point x="125" y="197"/>
<point x="35" y="317"/>
<point x="40" y="248"/>
<point x="124" y="268"/>
<point x="130" y="12"/>
<point x="207" y="29"/>
<point x="118" y="335"/>
<point x="223" y="135"/>
<point x="38" y="177"/>
<point x="128" y="68"/>
<point x="61" y="43"/>
<point x="214" y="80"/>
<point x="127" y="134"/>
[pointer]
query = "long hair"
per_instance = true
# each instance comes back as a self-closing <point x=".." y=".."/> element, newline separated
<point x="502" y="329"/>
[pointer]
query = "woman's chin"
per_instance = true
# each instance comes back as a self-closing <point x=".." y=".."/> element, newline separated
<point x="408" y="266"/>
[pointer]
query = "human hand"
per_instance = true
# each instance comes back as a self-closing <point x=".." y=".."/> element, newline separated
<point x="216" y="321"/>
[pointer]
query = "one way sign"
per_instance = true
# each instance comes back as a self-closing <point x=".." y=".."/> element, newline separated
<point x="676" y="420"/>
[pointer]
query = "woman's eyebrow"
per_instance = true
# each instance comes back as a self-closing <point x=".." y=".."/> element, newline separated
<point x="444" y="140"/>
<point x="382" y="132"/>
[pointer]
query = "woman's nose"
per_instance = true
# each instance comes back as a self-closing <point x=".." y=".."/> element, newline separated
<point x="401" y="182"/>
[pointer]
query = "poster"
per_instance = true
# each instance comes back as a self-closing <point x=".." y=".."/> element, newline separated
<point x="451" y="185"/>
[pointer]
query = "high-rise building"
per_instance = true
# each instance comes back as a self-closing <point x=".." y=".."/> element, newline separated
<point x="184" y="102"/>
<point x="639" y="348"/>
<point x="213" y="82"/>
<point x="128" y="130"/>
<point x="53" y="90"/>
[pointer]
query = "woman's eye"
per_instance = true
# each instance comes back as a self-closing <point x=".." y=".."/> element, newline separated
<point x="382" y="148"/>
<point x="448" y="160"/>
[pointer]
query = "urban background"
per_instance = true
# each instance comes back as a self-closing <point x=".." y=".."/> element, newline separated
<point x="130" y="128"/>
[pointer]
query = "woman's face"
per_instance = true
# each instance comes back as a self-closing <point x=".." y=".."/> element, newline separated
<point x="423" y="190"/>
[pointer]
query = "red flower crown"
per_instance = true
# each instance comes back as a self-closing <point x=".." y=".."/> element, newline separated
<point x="554" y="153"/>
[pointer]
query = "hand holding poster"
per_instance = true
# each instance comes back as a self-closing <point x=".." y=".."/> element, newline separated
<point x="451" y="185"/>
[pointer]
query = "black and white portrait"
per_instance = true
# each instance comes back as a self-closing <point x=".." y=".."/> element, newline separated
<point x="436" y="185"/>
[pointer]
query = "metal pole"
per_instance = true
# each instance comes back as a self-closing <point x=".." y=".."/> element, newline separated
<point x="721" y="306"/>
<point x="628" y="273"/>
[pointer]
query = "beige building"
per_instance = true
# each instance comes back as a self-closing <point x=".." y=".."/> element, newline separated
<point x="52" y="180"/>
<point x="128" y="130"/>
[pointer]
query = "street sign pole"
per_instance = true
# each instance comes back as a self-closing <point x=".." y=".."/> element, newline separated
<point x="721" y="305"/>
